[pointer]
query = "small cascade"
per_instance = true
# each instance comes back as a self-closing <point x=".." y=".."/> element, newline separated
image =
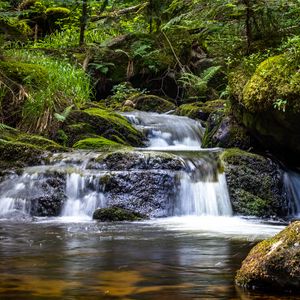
<point x="168" y="132"/>
<point x="84" y="196"/>
<point x="292" y="187"/>
<point x="173" y="176"/>
<point x="203" y="189"/>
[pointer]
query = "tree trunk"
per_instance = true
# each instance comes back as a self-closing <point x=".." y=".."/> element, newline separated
<point x="83" y="21"/>
<point x="248" y="24"/>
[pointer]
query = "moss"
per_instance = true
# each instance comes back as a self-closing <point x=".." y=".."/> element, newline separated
<point x="274" y="263"/>
<point x="152" y="103"/>
<point x="115" y="214"/>
<point x="25" y="73"/>
<point x="254" y="184"/>
<point x="99" y="143"/>
<point x="15" y="136"/>
<point x="97" y="122"/>
<point x="275" y="78"/>
<point x="39" y="142"/>
<point x="57" y="12"/>
<point x="200" y="110"/>
<point x="235" y="156"/>
<point x="17" y="154"/>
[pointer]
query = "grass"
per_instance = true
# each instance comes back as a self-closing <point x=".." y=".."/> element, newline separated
<point x="64" y="86"/>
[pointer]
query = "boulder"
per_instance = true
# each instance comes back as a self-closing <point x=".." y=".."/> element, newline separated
<point x="274" y="263"/>
<point x="268" y="104"/>
<point x="96" y="124"/>
<point x="143" y="182"/>
<point x="116" y="214"/>
<point x="200" y="110"/>
<point x="222" y="130"/>
<point x="255" y="184"/>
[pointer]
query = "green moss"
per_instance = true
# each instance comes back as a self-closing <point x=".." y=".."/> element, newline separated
<point x="25" y="73"/>
<point x="235" y="156"/>
<point x="273" y="264"/>
<point x="116" y="214"/>
<point x="275" y="78"/>
<point x="57" y="12"/>
<point x="200" y="110"/>
<point x="42" y="143"/>
<point x="17" y="154"/>
<point x="99" y="143"/>
<point x="114" y="119"/>
<point x="39" y="142"/>
<point x="152" y="103"/>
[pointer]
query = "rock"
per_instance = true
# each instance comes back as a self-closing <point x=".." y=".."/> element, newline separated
<point x="223" y="131"/>
<point x="47" y="196"/>
<point x="143" y="182"/>
<point x="200" y="110"/>
<point x="43" y="194"/>
<point x="269" y="106"/>
<point x="116" y="214"/>
<point x="129" y="103"/>
<point x="125" y="160"/>
<point x="97" y="123"/>
<point x="152" y="103"/>
<point x="100" y="144"/>
<point x="274" y="263"/>
<point x="255" y="184"/>
<point x="18" y="155"/>
<point x="149" y="193"/>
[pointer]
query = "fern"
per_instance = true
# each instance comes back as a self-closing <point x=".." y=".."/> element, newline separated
<point x="199" y="83"/>
<point x="63" y="116"/>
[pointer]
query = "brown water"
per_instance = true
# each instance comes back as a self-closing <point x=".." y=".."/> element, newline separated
<point x="53" y="260"/>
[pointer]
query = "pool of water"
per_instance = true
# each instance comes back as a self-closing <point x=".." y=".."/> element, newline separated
<point x="176" y="258"/>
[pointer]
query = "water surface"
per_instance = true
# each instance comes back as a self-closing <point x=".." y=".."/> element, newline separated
<point x="176" y="258"/>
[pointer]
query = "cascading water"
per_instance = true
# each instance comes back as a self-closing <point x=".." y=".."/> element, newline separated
<point x="168" y="132"/>
<point x="70" y="187"/>
<point x="292" y="187"/>
<point x="203" y="190"/>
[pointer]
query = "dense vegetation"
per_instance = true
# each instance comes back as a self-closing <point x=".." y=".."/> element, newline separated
<point x="237" y="58"/>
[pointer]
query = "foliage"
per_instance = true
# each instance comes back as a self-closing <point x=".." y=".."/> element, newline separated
<point x="199" y="83"/>
<point x="62" y="86"/>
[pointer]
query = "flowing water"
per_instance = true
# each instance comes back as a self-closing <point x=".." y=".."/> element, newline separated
<point x="193" y="253"/>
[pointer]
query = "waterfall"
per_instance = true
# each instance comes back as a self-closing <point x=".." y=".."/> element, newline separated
<point x="168" y="132"/>
<point x="84" y="196"/>
<point x="292" y="186"/>
<point x="203" y="190"/>
<point x="73" y="184"/>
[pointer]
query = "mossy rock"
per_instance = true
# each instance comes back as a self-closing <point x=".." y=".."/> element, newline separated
<point x="116" y="214"/>
<point x="96" y="123"/>
<point x="10" y="134"/>
<point x="17" y="154"/>
<point x="152" y="103"/>
<point x="222" y="130"/>
<point x="200" y="110"/>
<point x="268" y="105"/>
<point x="100" y="144"/>
<point x="273" y="264"/>
<point x="255" y="184"/>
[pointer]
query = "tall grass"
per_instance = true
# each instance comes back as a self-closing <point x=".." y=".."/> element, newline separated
<point x="64" y="86"/>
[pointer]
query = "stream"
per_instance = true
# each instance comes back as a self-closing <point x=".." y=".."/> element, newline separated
<point x="190" y="248"/>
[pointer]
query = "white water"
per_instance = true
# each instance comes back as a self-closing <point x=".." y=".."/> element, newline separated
<point x="82" y="202"/>
<point x="202" y="190"/>
<point x="292" y="186"/>
<point x="168" y="132"/>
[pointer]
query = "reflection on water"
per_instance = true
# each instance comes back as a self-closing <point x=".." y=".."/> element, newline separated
<point x="90" y="260"/>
